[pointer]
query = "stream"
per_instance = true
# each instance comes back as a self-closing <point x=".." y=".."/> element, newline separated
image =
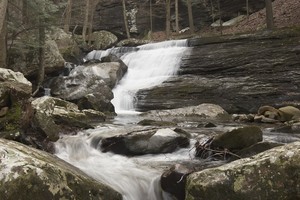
<point x="134" y="177"/>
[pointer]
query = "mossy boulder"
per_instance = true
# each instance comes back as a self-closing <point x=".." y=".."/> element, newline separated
<point x="238" y="138"/>
<point x="27" y="173"/>
<point x="15" y="90"/>
<point x="273" y="174"/>
<point x="103" y="39"/>
<point x="53" y="115"/>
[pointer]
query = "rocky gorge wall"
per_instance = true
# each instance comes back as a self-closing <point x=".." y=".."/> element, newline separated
<point x="239" y="73"/>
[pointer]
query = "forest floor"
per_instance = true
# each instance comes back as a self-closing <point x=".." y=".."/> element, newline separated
<point x="286" y="14"/>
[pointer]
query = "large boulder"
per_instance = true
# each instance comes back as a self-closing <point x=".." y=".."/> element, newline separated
<point x="27" y="173"/>
<point x="52" y="115"/>
<point x="145" y="141"/>
<point x="103" y="39"/>
<point x="87" y="86"/>
<point x="272" y="174"/>
<point x="24" y="58"/>
<point x="194" y="113"/>
<point x="15" y="90"/>
<point x="66" y="44"/>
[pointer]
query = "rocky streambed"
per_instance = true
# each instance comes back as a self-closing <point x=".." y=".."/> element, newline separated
<point x="205" y="134"/>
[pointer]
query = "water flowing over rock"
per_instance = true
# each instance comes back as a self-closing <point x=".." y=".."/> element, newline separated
<point x="27" y="173"/>
<point x="272" y="174"/>
<point x="149" y="66"/>
<point x="239" y="73"/>
<point x="145" y="141"/>
<point x="53" y="115"/>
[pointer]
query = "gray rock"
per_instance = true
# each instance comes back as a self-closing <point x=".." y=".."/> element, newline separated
<point x="86" y="86"/>
<point x="52" y="115"/>
<point x="27" y="173"/>
<point x="272" y="174"/>
<point x="103" y="39"/>
<point x="145" y="141"/>
<point x="192" y="113"/>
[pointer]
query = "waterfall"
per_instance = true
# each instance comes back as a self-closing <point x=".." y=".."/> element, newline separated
<point x="148" y="65"/>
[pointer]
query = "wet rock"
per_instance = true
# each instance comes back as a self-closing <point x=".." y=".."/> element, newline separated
<point x="215" y="73"/>
<point x="132" y="42"/>
<point x="238" y="138"/>
<point x="192" y="113"/>
<point x="257" y="148"/>
<point x="52" y="115"/>
<point x="145" y="141"/>
<point x="275" y="170"/>
<point x="174" y="179"/>
<point x="27" y="173"/>
<point x="149" y="122"/>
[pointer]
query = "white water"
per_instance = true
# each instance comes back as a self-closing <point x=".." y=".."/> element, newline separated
<point x="133" y="177"/>
<point x="151" y="65"/>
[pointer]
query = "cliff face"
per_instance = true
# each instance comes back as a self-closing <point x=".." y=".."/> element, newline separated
<point x="238" y="73"/>
<point x="109" y="14"/>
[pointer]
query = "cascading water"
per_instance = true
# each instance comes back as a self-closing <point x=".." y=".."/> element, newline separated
<point x="148" y="66"/>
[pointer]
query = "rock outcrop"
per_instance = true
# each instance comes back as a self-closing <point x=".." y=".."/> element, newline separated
<point x="27" y="173"/>
<point x="53" y="115"/>
<point x="272" y="174"/>
<point x="239" y="73"/>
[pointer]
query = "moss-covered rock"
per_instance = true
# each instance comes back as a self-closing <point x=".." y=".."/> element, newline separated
<point x="273" y="174"/>
<point x="27" y="173"/>
<point x="53" y="114"/>
<point x="15" y="90"/>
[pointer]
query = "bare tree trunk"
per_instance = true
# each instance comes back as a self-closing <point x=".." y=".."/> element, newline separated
<point x="42" y="39"/>
<point x="91" y="21"/>
<point x="176" y="16"/>
<point x="168" y="18"/>
<point x="269" y="14"/>
<point x="247" y="8"/>
<point x="212" y="11"/>
<point x="86" y="20"/>
<point x="125" y="19"/>
<point x="191" y="19"/>
<point x="151" y="20"/>
<point x="68" y="14"/>
<point x="220" y="17"/>
<point x="3" y="46"/>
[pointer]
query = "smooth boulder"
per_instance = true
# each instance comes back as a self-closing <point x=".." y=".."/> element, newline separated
<point x="27" y="174"/>
<point x="146" y="141"/>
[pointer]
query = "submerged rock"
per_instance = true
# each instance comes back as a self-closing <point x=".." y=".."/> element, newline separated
<point x="27" y="173"/>
<point x="146" y="141"/>
<point x="272" y="174"/>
